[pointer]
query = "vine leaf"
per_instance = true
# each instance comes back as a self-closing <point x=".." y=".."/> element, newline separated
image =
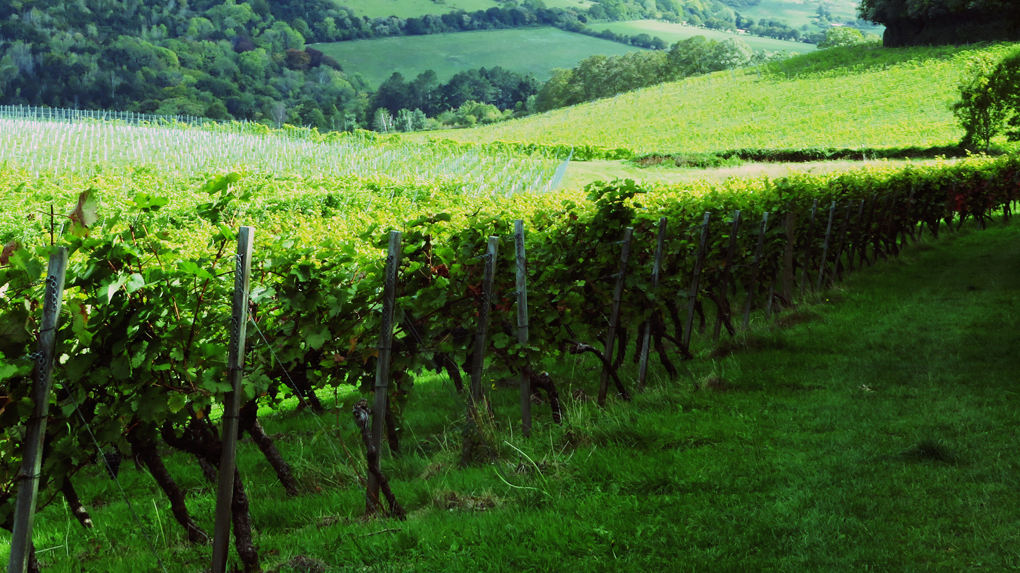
<point x="85" y="213"/>
<point x="5" y="255"/>
<point x="114" y="286"/>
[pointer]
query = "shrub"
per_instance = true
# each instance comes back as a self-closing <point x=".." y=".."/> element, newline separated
<point x="989" y="101"/>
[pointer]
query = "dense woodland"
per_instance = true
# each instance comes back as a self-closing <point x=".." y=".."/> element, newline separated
<point x="249" y="59"/>
<point x="924" y="22"/>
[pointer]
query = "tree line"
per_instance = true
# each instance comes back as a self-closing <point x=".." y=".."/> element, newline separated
<point x="606" y="76"/>
<point x="925" y="22"/>
<point x="225" y="59"/>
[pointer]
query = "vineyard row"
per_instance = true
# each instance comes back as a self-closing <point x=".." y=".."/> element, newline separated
<point x="142" y="345"/>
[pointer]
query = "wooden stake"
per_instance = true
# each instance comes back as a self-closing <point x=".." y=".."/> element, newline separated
<point x="808" y="248"/>
<point x="855" y="239"/>
<point x="232" y="401"/>
<point x="866" y="237"/>
<point x="724" y="282"/>
<point x="31" y="462"/>
<point x="382" y="372"/>
<point x="825" y="248"/>
<point x="754" y="269"/>
<point x="614" y="317"/>
<point x="483" y="322"/>
<point x="522" y="322"/>
<point x="791" y="243"/>
<point x="659" y="245"/>
<point x="692" y="296"/>
<point x="841" y="240"/>
<point x="907" y="218"/>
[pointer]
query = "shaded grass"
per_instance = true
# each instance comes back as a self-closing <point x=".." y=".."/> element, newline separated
<point x="873" y="427"/>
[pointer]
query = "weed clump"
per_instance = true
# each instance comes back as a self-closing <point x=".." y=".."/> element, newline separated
<point x="796" y="317"/>
<point x="746" y="343"/>
<point x="302" y="564"/>
<point x="713" y="383"/>
<point x="929" y="450"/>
<point x="450" y="500"/>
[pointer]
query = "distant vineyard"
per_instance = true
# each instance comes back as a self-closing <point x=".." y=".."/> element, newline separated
<point x="869" y="99"/>
<point x="50" y="159"/>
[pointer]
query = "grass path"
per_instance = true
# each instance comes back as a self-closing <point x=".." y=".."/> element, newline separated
<point x="673" y="33"/>
<point x="872" y="429"/>
<point x="580" y="173"/>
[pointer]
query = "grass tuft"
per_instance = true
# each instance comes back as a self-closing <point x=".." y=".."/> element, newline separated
<point x="745" y="342"/>
<point x="931" y="450"/>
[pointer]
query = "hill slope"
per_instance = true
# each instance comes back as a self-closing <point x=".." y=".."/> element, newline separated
<point x="895" y="98"/>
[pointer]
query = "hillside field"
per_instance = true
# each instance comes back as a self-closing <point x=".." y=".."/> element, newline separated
<point x="673" y="33"/>
<point x="802" y="12"/>
<point x="526" y="50"/>
<point x="418" y="8"/>
<point x="902" y="98"/>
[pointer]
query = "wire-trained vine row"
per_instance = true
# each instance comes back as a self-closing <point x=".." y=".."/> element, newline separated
<point x="142" y="345"/>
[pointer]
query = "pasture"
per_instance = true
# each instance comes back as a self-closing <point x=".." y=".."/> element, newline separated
<point x="902" y="101"/>
<point x="526" y="50"/>
<point x="673" y="33"/>
<point x="418" y="8"/>
<point x="799" y="13"/>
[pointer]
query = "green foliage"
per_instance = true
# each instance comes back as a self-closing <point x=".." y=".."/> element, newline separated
<point x="213" y="60"/>
<point x="988" y="100"/>
<point x="917" y="22"/>
<point x="843" y="36"/>
<point x="601" y="76"/>
<point x="979" y="111"/>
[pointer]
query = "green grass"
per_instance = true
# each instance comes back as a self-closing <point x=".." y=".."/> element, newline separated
<point x="418" y="8"/>
<point x="527" y="50"/>
<point x="872" y="428"/>
<point x="673" y="33"/>
<point x="903" y="102"/>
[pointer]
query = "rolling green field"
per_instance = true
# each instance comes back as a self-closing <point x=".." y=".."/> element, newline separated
<point x="902" y="102"/>
<point x="673" y="33"/>
<point x="800" y="12"/>
<point x="528" y="50"/>
<point x="417" y="8"/>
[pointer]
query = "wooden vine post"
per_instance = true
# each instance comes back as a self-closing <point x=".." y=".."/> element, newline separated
<point x="840" y="242"/>
<point x="656" y="269"/>
<point x="908" y="221"/>
<point x="724" y="282"/>
<point x="483" y="322"/>
<point x="825" y="248"/>
<point x="692" y="295"/>
<point x="809" y="241"/>
<point x="232" y="401"/>
<point x="382" y="372"/>
<point x="31" y="461"/>
<point x="791" y="243"/>
<point x="855" y="240"/>
<point x="614" y="317"/>
<point x="754" y="269"/>
<point x="868" y="233"/>
<point x="522" y="322"/>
